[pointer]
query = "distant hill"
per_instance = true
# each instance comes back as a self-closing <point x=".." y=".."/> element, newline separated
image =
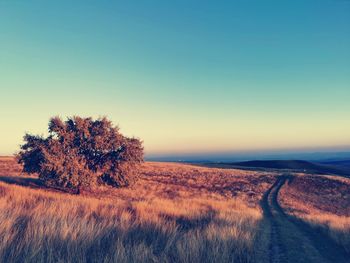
<point x="300" y="165"/>
<point x="343" y="163"/>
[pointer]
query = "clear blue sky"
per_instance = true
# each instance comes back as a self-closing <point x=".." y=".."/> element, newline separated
<point x="185" y="76"/>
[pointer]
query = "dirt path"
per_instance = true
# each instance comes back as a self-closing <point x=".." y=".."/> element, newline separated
<point x="292" y="240"/>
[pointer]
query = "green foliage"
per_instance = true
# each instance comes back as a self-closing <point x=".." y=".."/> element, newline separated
<point x="82" y="152"/>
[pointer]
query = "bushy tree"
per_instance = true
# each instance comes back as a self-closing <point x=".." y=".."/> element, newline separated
<point x="82" y="152"/>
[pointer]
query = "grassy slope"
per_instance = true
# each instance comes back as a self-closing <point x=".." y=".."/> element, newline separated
<point x="323" y="202"/>
<point x="300" y="165"/>
<point x="175" y="213"/>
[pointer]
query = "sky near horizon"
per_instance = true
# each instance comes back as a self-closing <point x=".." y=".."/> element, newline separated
<point x="184" y="76"/>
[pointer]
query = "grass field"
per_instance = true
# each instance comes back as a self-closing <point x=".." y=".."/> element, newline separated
<point x="322" y="201"/>
<point x="174" y="213"/>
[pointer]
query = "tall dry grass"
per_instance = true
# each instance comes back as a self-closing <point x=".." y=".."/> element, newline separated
<point x="155" y="221"/>
<point x="9" y="166"/>
<point x="336" y="227"/>
<point x="323" y="202"/>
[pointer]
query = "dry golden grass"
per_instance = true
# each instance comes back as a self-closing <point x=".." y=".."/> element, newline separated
<point x="322" y="201"/>
<point x="8" y="166"/>
<point x="174" y="181"/>
<point x="175" y="213"/>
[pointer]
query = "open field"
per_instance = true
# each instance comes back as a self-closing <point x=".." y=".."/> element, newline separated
<point x="335" y="168"/>
<point x="177" y="213"/>
<point x="324" y="202"/>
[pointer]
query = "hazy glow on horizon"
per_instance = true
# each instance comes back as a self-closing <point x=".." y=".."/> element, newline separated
<point x="184" y="77"/>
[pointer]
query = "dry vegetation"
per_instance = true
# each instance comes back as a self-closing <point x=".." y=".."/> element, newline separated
<point x="322" y="201"/>
<point x="8" y="166"/>
<point x="175" y="213"/>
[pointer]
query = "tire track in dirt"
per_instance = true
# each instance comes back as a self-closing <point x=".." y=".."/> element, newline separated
<point x="276" y="248"/>
<point x="291" y="239"/>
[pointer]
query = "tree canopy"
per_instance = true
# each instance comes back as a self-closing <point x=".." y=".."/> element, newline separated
<point x="82" y="152"/>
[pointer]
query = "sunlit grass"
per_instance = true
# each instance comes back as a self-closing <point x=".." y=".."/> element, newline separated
<point x="323" y="202"/>
<point x="154" y="221"/>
